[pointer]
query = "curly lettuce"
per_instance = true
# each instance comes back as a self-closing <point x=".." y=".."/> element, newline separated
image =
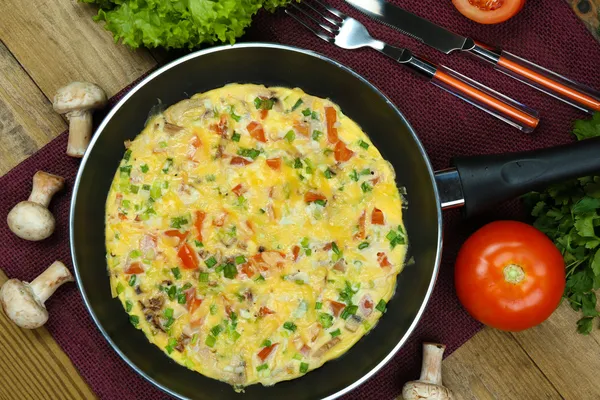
<point x="179" y="23"/>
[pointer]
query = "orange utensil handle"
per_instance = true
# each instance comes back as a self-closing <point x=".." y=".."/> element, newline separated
<point x="482" y="97"/>
<point x="556" y="85"/>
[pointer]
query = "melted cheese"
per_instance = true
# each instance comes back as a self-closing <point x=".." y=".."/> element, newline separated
<point x="258" y="266"/>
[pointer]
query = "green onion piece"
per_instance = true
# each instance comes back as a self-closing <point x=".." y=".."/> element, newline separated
<point x="290" y="326"/>
<point x="309" y="170"/>
<point x="329" y="173"/>
<point x="203" y="277"/>
<point x="354" y="175"/>
<point x="335" y="333"/>
<point x="366" y="187"/>
<point x="171" y="345"/>
<point x="260" y="278"/>
<point x="135" y="253"/>
<point x="186" y="286"/>
<point x="297" y="356"/>
<point x="316" y="134"/>
<point x="299" y="282"/>
<point x="308" y="252"/>
<point x="348" y="311"/>
<point x="229" y="271"/>
<point x="128" y="306"/>
<point x="127" y="155"/>
<point x="236" y="137"/>
<point x="235" y="117"/>
<point x="170" y="321"/>
<point x="306" y="112"/>
<point x="318" y="305"/>
<point x="213" y="309"/>
<point x="210" y="341"/>
<point x="240" y="259"/>
<point x="167" y="165"/>
<point x="168" y="313"/>
<point x="215" y="330"/>
<point x="262" y="367"/>
<point x="172" y="293"/>
<point x="304" y="242"/>
<point x="235" y="335"/>
<point x="134" y="189"/>
<point x="297" y="163"/>
<point x="266" y="343"/>
<point x="125" y="170"/>
<point x="363" y="245"/>
<point x="250" y="153"/>
<point x="176" y="272"/>
<point x="258" y="103"/>
<point x="297" y="104"/>
<point x="181" y="298"/>
<point x="155" y="191"/>
<point x="132" y="280"/>
<point x="303" y="368"/>
<point x="314" y="115"/>
<point x="391" y="235"/>
<point x="335" y="248"/>
<point x="198" y="243"/>
<point x="363" y="144"/>
<point x="211" y="262"/>
<point x="144" y="168"/>
<point x="326" y="320"/>
<point x="290" y="136"/>
<point x="162" y="144"/>
<point x="321" y="202"/>
<point x="210" y="178"/>
<point x="134" y="319"/>
<point x="381" y="305"/>
<point x="165" y="185"/>
<point x="126" y="204"/>
<point x="178" y="222"/>
<point x="219" y="268"/>
<point x="146" y="187"/>
<point x="365" y="171"/>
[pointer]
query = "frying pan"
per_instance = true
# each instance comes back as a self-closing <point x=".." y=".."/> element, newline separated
<point x="474" y="183"/>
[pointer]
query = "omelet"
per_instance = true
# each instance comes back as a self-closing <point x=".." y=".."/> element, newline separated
<point x="254" y="233"/>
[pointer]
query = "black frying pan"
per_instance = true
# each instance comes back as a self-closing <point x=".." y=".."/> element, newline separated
<point x="476" y="182"/>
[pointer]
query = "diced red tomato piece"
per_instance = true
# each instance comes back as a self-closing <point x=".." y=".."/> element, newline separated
<point x="195" y="143"/>
<point x="188" y="257"/>
<point x="302" y="128"/>
<point x="296" y="252"/>
<point x="383" y="260"/>
<point x="256" y="131"/>
<point x="122" y="217"/>
<point x="134" y="268"/>
<point x="178" y="234"/>
<point x="274" y="163"/>
<point x="263" y="114"/>
<point x="309" y="197"/>
<point x="192" y="302"/>
<point x="221" y="127"/>
<point x="265" y="311"/>
<point x="200" y="216"/>
<point x="239" y="189"/>
<point x="336" y="307"/>
<point x="341" y="153"/>
<point x="266" y="351"/>
<point x="239" y="161"/>
<point x="331" y="118"/>
<point x="248" y="270"/>
<point x="377" y="217"/>
<point x="361" y="226"/>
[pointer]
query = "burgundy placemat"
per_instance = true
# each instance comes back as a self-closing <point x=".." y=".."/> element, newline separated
<point x="547" y="33"/>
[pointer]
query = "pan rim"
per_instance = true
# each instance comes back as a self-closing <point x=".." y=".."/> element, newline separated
<point x="201" y="53"/>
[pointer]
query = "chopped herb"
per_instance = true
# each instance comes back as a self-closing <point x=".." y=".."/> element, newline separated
<point x="172" y="293"/>
<point x="321" y="202"/>
<point x="297" y="356"/>
<point x="210" y="178"/>
<point x="306" y="112"/>
<point x="178" y="222"/>
<point x="318" y="305"/>
<point x="297" y="104"/>
<point x="171" y="345"/>
<point x="198" y="243"/>
<point x="211" y="262"/>
<point x="181" y="298"/>
<point x="134" y="319"/>
<point x="229" y="271"/>
<point x="168" y="313"/>
<point x="266" y="343"/>
<point x="326" y="320"/>
<point x="213" y="309"/>
<point x="219" y="268"/>
<point x="250" y="153"/>
<point x="262" y="211"/>
<point x="169" y="322"/>
<point x="365" y="171"/>
<point x="354" y="175"/>
<point x="235" y="117"/>
<point x="290" y="326"/>
<point x="155" y="191"/>
<point x="236" y="137"/>
<point x="262" y="367"/>
<point x="309" y="170"/>
<point x="314" y="115"/>
<point x="162" y="144"/>
<point x="135" y="253"/>
<point x="216" y="330"/>
<point x="335" y="333"/>
<point x="144" y="168"/>
<point x="240" y="259"/>
<point x="260" y="278"/>
<point x="128" y="306"/>
<point x="297" y="163"/>
<point x="127" y="155"/>
<point x="167" y="165"/>
<point x="290" y="136"/>
<point x="316" y="134"/>
<point x="381" y="305"/>
<point x="203" y="277"/>
<point x="146" y="187"/>
<point x="134" y="189"/>
<point x="348" y="292"/>
<point x="335" y="248"/>
<point x="186" y="286"/>
<point x="303" y="368"/>
<point x="363" y="245"/>
<point x="265" y="104"/>
<point x="366" y="187"/>
<point x="165" y="185"/>
<point x="299" y="282"/>
<point x="210" y="341"/>
<point x="348" y="311"/>
<point x="308" y="252"/>
<point x="235" y="335"/>
<point x="126" y="204"/>
<point x="396" y="238"/>
<point x="329" y="173"/>
<point x="125" y="170"/>
<point x="363" y="144"/>
<point x="132" y="280"/>
<point x="176" y="272"/>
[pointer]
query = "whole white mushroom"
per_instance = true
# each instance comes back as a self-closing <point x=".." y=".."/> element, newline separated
<point x="31" y="219"/>
<point x="77" y="101"/>
<point x="429" y="386"/>
<point x="24" y="302"/>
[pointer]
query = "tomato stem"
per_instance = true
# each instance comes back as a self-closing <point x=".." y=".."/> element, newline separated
<point x="514" y="274"/>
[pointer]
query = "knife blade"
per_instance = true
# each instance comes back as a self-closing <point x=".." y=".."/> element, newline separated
<point x="540" y="78"/>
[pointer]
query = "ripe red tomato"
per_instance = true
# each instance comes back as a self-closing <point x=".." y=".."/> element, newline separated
<point x="509" y="276"/>
<point x="488" y="11"/>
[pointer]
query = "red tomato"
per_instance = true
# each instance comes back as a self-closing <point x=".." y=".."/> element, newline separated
<point x="509" y="275"/>
<point x="377" y="217"/>
<point x="188" y="257"/>
<point x="361" y="226"/>
<point x="331" y="118"/>
<point x="274" y="163"/>
<point x="309" y="197"/>
<point x="265" y="352"/>
<point x="256" y="131"/>
<point x="134" y="268"/>
<point x="336" y="307"/>
<point x="200" y="215"/>
<point x="488" y="11"/>
<point x="341" y="152"/>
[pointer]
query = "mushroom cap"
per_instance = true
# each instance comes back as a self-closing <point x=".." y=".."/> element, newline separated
<point x="418" y="390"/>
<point x="21" y="306"/>
<point x="31" y="221"/>
<point x="78" y="96"/>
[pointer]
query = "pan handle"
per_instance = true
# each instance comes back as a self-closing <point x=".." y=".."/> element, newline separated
<point x="486" y="180"/>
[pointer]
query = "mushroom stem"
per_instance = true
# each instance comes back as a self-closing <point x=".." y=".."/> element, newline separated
<point x="80" y="132"/>
<point x="45" y="186"/>
<point x="51" y="279"/>
<point x="431" y="369"/>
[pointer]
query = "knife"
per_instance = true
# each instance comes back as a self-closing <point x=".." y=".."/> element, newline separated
<point x="558" y="86"/>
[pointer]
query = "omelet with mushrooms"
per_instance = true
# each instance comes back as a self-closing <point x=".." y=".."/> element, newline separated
<point x="254" y="233"/>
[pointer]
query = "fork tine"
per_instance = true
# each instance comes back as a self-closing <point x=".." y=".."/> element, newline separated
<point x="322" y="35"/>
<point x="316" y="21"/>
<point x="321" y="14"/>
<point x="332" y="10"/>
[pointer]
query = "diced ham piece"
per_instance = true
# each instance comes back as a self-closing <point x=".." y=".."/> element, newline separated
<point x="134" y="268"/>
<point x="302" y="128"/>
<point x="340" y="265"/>
<point x="383" y="260"/>
<point x="219" y="220"/>
<point x="366" y="305"/>
<point x="326" y="347"/>
<point x="147" y="243"/>
<point x="336" y="307"/>
<point x="265" y="311"/>
<point x="361" y="226"/>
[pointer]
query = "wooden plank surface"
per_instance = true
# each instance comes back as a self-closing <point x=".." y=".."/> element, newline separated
<point x="34" y="367"/>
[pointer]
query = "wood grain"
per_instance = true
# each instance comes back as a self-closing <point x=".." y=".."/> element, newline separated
<point x="27" y="121"/>
<point x="57" y="42"/>
<point x="587" y="11"/>
<point x="34" y="367"/>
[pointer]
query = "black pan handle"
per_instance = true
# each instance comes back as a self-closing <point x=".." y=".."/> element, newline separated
<point x="487" y="180"/>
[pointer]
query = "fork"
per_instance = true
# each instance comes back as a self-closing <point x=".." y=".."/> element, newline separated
<point x="337" y="28"/>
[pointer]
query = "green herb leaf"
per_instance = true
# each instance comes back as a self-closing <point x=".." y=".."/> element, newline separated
<point x="297" y="104"/>
<point x="236" y="137"/>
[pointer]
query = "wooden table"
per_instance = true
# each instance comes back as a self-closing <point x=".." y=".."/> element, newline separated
<point x="45" y="44"/>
